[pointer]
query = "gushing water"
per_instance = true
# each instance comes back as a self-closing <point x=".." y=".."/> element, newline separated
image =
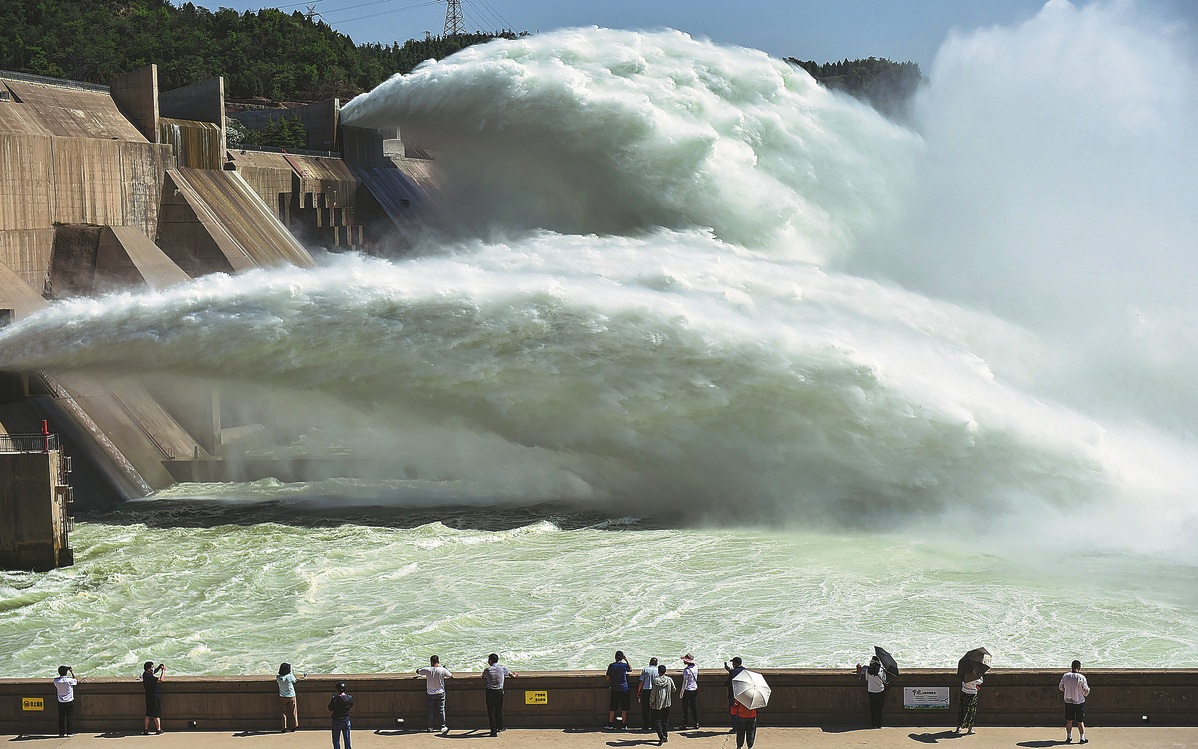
<point x="686" y="284"/>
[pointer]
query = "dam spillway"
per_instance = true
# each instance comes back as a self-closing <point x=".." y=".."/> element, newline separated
<point x="121" y="187"/>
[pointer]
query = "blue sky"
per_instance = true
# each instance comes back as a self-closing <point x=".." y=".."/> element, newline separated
<point x="821" y="30"/>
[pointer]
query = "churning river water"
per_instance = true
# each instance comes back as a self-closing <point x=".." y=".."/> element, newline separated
<point x="704" y="358"/>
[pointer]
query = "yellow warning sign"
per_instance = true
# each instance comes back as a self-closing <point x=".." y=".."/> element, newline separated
<point x="536" y="698"/>
<point x="33" y="703"/>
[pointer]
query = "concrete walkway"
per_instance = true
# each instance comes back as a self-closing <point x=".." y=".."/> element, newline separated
<point x="767" y="738"/>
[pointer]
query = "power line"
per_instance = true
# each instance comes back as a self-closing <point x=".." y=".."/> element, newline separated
<point x="385" y="12"/>
<point x="503" y="21"/>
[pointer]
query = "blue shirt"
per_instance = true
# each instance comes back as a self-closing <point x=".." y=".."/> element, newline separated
<point x="286" y="685"/>
<point x="618" y="673"/>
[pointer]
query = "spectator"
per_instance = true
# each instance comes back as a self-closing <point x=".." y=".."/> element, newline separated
<point x="968" y="710"/>
<point x="65" y="686"/>
<point x="875" y="687"/>
<point x="340" y="706"/>
<point x="746" y="725"/>
<point x="644" y="690"/>
<point x="493" y="676"/>
<point x="617" y="676"/>
<point x="151" y="681"/>
<point x="690" y="690"/>
<point x="286" y="681"/>
<point x="1076" y="689"/>
<point x="732" y="703"/>
<point x="661" y="698"/>
<point x="435" y="675"/>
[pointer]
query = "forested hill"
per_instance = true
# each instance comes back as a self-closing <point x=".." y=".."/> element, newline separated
<point x="267" y="53"/>
<point x="281" y="56"/>
<point x="886" y="85"/>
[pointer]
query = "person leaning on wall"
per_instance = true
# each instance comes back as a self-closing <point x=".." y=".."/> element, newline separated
<point x="286" y="682"/>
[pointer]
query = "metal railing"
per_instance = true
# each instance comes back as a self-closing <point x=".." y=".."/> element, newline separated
<point x="293" y="151"/>
<point x="28" y="443"/>
<point x="12" y="75"/>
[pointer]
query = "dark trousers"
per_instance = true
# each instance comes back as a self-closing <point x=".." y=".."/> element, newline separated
<point x="646" y="711"/>
<point x="877" y="700"/>
<point x="690" y="703"/>
<point x="436" y="710"/>
<point x="66" y="717"/>
<point x="340" y="730"/>
<point x="746" y="730"/>
<point x="661" y="723"/>
<point x="495" y="710"/>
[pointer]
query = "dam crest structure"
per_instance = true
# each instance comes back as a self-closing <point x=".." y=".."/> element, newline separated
<point x="125" y="187"/>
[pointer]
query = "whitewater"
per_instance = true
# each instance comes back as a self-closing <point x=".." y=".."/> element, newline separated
<point x="698" y="356"/>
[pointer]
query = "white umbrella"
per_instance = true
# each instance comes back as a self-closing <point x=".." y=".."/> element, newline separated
<point x="749" y="689"/>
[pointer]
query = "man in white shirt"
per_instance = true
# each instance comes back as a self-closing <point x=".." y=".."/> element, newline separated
<point x="435" y="675"/>
<point x="65" y="686"/>
<point x="644" y="689"/>
<point x="1076" y="688"/>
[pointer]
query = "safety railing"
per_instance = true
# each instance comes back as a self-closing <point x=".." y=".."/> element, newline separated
<point x="28" y="443"/>
<point x="46" y="80"/>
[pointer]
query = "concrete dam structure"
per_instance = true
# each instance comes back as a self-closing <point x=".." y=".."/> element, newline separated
<point x="122" y="187"/>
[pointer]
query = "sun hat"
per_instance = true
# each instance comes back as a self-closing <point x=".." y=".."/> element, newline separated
<point x="688" y="658"/>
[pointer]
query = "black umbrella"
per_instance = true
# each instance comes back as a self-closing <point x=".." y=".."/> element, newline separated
<point x="975" y="663"/>
<point x="887" y="660"/>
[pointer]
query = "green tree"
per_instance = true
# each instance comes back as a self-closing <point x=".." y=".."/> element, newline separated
<point x="886" y="85"/>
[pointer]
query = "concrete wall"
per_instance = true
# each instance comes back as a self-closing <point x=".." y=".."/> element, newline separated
<point x="33" y="531"/>
<point x="136" y="95"/>
<point x="320" y="121"/>
<point x="48" y="180"/>
<point x="579" y="698"/>
<point x="201" y="102"/>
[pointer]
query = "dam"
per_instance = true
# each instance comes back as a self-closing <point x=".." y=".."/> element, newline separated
<point x="716" y="362"/>
<point x="126" y="187"/>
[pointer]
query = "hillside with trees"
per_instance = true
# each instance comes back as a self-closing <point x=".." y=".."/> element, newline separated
<point x="277" y="56"/>
<point x="262" y="54"/>
<point x="886" y="85"/>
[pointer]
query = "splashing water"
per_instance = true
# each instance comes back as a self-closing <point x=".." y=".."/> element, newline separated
<point x="689" y="286"/>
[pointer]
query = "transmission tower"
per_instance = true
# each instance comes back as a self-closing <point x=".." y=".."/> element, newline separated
<point x="453" y="18"/>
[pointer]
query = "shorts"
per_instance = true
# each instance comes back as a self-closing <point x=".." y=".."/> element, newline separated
<point x="1075" y="712"/>
<point x="620" y="700"/>
<point x="153" y="706"/>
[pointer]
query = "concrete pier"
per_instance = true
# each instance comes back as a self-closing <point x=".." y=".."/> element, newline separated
<point x="35" y="503"/>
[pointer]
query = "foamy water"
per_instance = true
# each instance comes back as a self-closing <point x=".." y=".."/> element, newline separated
<point x="862" y="384"/>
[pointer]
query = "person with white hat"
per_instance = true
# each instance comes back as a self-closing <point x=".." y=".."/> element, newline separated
<point x="690" y="691"/>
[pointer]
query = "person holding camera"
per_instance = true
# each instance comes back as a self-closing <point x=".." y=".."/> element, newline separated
<point x="151" y="681"/>
<point x="286" y="681"/>
<point x="65" y="686"/>
<point x="340" y="706"/>
<point x="736" y="667"/>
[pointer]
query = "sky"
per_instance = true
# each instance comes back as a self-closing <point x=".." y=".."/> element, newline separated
<point x="820" y="30"/>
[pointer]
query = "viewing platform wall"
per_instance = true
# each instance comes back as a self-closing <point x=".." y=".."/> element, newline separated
<point x="580" y="698"/>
